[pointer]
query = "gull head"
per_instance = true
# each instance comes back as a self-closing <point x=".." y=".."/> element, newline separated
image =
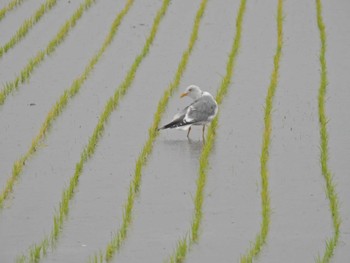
<point x="193" y="92"/>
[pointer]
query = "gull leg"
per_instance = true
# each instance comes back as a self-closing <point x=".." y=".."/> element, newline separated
<point x="203" y="133"/>
<point x="188" y="133"/>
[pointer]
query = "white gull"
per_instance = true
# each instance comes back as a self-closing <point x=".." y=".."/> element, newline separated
<point x="200" y="112"/>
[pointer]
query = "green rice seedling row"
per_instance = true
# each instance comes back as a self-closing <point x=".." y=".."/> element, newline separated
<point x="331" y="191"/>
<point x="112" y="104"/>
<point x="57" y="108"/>
<point x="134" y="187"/>
<point x="186" y="242"/>
<point x="26" y="72"/>
<point x="10" y="6"/>
<point x="260" y="239"/>
<point x="27" y="25"/>
<point x="37" y="251"/>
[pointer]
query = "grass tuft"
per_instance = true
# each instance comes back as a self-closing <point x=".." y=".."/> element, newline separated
<point x="185" y="244"/>
<point x="181" y="251"/>
<point x="260" y="238"/>
<point x="134" y="188"/>
<point x="330" y="186"/>
<point x="27" y="25"/>
<point x="35" y="61"/>
<point x="10" y="6"/>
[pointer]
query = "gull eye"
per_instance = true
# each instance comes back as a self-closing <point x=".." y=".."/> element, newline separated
<point x="190" y="89"/>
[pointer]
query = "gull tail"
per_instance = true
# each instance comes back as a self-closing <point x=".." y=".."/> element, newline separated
<point x="175" y="124"/>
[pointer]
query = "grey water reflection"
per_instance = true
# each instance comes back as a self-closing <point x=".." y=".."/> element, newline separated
<point x="191" y="148"/>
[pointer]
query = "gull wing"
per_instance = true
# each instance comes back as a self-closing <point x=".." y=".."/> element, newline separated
<point x="201" y="110"/>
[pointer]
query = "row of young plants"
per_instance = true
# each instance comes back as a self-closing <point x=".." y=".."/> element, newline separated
<point x="10" y="6"/>
<point x="261" y="237"/>
<point x="35" y="61"/>
<point x="56" y="110"/>
<point x="89" y="149"/>
<point x="331" y="192"/>
<point x="37" y="251"/>
<point x="27" y="25"/>
<point x="135" y="184"/>
<point x="117" y="239"/>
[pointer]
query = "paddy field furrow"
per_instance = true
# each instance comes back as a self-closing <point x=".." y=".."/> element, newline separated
<point x="232" y="205"/>
<point x="27" y="25"/>
<point x="299" y="219"/>
<point x="331" y="191"/>
<point x="9" y="7"/>
<point x="337" y="101"/>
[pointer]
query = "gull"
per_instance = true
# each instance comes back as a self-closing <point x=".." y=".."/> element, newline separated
<point x="201" y="111"/>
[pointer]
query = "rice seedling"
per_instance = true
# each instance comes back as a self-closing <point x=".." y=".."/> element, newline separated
<point x="260" y="238"/>
<point x="331" y="192"/>
<point x="27" y="25"/>
<point x="61" y="35"/>
<point x="134" y="187"/>
<point x="186" y="243"/>
<point x="57" y="108"/>
<point x="10" y="6"/>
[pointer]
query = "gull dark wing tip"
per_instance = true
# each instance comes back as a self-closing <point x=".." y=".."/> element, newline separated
<point x="175" y="124"/>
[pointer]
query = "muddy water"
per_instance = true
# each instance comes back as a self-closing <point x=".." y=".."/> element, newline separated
<point x="338" y="57"/>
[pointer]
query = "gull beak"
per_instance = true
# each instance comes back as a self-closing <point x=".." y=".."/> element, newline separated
<point x="183" y="94"/>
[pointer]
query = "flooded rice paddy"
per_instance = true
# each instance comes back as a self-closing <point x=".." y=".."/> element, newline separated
<point x="86" y="177"/>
